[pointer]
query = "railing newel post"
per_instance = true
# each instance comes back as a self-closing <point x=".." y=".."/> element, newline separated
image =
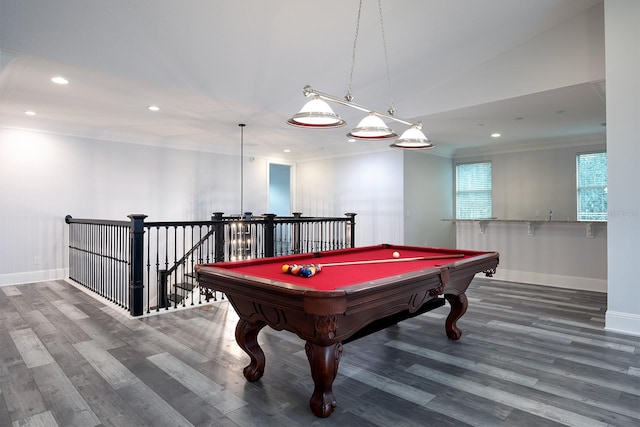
<point x="351" y="231"/>
<point x="269" y="235"/>
<point x="218" y="235"/>
<point x="136" y="279"/>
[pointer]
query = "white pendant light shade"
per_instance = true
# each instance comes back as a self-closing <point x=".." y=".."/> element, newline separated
<point x="413" y="138"/>
<point x="372" y="127"/>
<point x="316" y="114"/>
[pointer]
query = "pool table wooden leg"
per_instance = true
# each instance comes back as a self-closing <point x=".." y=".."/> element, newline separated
<point x="247" y="339"/>
<point x="459" y="304"/>
<point x="324" y="361"/>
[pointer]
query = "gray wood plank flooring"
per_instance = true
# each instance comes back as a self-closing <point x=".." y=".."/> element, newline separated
<point x="529" y="356"/>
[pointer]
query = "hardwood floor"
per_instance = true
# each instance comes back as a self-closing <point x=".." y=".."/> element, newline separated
<point x="529" y="356"/>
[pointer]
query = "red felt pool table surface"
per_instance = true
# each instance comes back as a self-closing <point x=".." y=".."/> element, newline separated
<point x="339" y="277"/>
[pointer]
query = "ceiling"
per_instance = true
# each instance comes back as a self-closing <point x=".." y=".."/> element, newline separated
<point x="210" y="65"/>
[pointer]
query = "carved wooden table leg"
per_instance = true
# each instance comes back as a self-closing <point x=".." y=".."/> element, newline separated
<point x="459" y="304"/>
<point x="324" y="363"/>
<point x="247" y="339"/>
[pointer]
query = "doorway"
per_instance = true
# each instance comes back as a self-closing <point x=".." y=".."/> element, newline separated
<point x="280" y="189"/>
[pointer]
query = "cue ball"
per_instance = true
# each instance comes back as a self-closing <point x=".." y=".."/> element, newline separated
<point x="396" y="254"/>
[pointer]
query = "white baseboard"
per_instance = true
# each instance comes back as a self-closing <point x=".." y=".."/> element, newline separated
<point x="32" y="276"/>
<point x="626" y="323"/>
<point x="558" y="281"/>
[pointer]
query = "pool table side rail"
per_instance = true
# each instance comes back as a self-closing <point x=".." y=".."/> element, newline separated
<point x="233" y="271"/>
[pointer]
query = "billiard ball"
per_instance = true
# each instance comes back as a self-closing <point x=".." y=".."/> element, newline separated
<point x="396" y="254"/>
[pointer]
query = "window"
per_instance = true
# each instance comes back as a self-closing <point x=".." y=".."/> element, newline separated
<point x="473" y="190"/>
<point x="592" y="186"/>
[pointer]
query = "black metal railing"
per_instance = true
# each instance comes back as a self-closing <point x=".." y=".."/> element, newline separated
<point x="144" y="266"/>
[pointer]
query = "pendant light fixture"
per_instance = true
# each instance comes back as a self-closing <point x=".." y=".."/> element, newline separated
<point x="317" y="113"/>
<point x="372" y="127"/>
<point x="413" y="139"/>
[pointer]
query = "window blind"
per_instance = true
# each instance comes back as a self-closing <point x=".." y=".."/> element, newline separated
<point x="592" y="186"/>
<point x="473" y="190"/>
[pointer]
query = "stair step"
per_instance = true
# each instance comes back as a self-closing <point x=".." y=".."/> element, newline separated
<point x="193" y="275"/>
<point x="175" y="298"/>
<point x="185" y="285"/>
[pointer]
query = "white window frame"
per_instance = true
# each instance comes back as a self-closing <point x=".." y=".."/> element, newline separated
<point x="602" y="187"/>
<point x="480" y="190"/>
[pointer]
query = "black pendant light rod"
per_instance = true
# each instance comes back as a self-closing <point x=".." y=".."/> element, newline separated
<point x="242" y="125"/>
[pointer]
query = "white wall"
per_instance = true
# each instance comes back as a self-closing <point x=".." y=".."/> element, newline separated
<point x="45" y="177"/>
<point x="369" y="185"/>
<point x="526" y="186"/>
<point x="623" y="142"/>
<point x="558" y="254"/>
<point x="428" y="198"/>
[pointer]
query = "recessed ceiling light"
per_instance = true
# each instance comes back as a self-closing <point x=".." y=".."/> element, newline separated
<point x="286" y="150"/>
<point x="495" y="135"/>
<point x="60" y="80"/>
<point x="30" y="113"/>
<point x="153" y="108"/>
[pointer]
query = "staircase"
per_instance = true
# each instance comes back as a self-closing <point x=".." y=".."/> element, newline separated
<point x="183" y="291"/>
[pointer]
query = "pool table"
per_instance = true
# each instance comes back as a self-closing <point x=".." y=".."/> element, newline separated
<point x="369" y="289"/>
